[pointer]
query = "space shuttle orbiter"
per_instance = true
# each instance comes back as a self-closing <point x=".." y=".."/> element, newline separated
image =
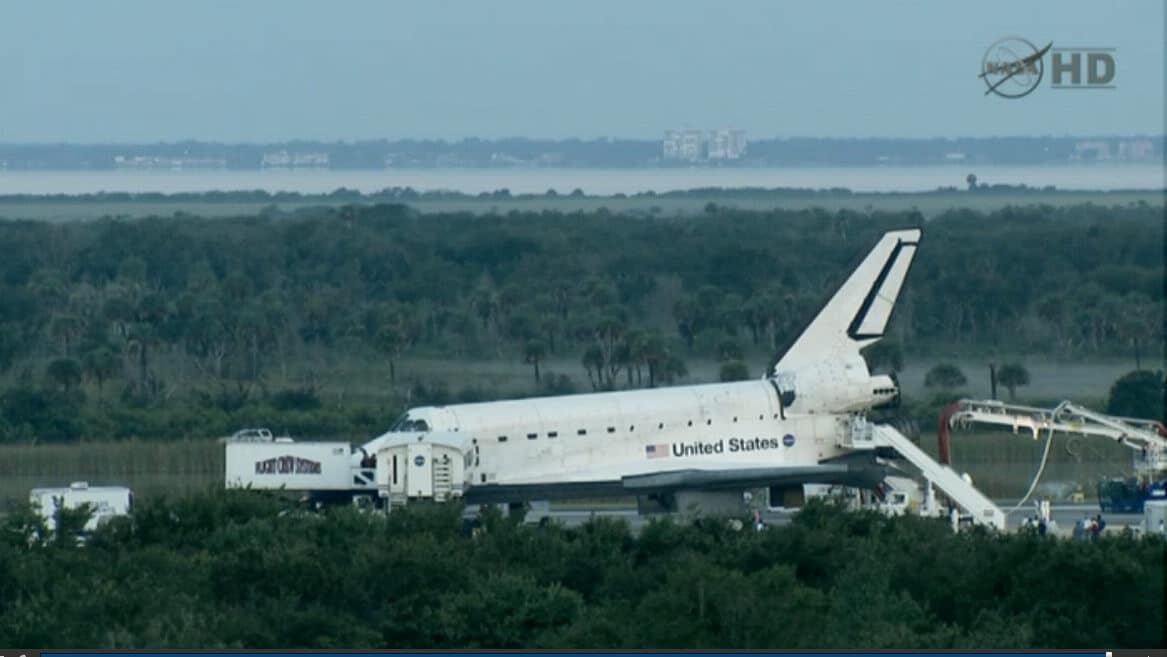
<point x="791" y="427"/>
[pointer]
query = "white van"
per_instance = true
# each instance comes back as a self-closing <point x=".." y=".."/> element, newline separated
<point x="106" y="502"/>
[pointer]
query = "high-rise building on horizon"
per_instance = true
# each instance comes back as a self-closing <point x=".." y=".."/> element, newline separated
<point x="727" y="144"/>
<point x="699" y="145"/>
<point x="684" y="145"/>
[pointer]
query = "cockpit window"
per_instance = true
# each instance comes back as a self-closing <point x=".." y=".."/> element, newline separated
<point x="784" y="384"/>
<point x="397" y="424"/>
<point x="406" y="423"/>
<point x="787" y="396"/>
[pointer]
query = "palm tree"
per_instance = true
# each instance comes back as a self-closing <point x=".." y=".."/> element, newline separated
<point x="65" y="372"/>
<point x="66" y="328"/>
<point x="631" y="353"/>
<point x="1011" y="376"/>
<point x="140" y="339"/>
<point x="946" y="376"/>
<point x="655" y="355"/>
<point x="484" y="306"/>
<point x="533" y="352"/>
<point x="593" y="359"/>
<point x="390" y="341"/>
<point x="674" y="368"/>
<point x="101" y="364"/>
<point x="1134" y="324"/>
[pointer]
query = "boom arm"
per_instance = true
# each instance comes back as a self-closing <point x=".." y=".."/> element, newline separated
<point x="1148" y="437"/>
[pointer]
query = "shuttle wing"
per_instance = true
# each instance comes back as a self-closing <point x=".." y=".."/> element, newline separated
<point x="858" y="313"/>
<point x="863" y="473"/>
<point x="749" y="478"/>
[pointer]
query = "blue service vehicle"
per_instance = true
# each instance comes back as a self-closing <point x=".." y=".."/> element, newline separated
<point x="1129" y="495"/>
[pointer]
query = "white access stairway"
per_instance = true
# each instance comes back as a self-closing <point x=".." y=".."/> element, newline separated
<point x="960" y="491"/>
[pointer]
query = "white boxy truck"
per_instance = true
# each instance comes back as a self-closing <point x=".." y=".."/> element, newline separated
<point x="106" y="502"/>
<point x="283" y="464"/>
<point x="332" y="470"/>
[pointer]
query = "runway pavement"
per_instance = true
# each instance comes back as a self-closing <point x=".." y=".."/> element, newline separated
<point x="1064" y="516"/>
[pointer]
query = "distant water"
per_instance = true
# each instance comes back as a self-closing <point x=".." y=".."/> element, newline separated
<point x="591" y="181"/>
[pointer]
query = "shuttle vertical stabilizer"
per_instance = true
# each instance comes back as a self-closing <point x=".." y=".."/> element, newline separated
<point x="858" y="313"/>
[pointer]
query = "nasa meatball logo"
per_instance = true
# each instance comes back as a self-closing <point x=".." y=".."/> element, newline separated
<point x="419" y="460"/>
<point x="1012" y="67"/>
<point x="788" y="440"/>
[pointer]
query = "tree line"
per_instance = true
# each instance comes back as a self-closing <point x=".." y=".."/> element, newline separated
<point x="229" y="570"/>
<point x="103" y="323"/>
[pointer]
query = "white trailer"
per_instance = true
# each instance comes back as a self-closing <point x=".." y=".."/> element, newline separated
<point x="1155" y="517"/>
<point x="287" y="465"/>
<point x="105" y="501"/>
<point x="425" y="466"/>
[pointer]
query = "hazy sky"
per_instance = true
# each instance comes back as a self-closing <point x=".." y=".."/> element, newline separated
<point x="257" y="71"/>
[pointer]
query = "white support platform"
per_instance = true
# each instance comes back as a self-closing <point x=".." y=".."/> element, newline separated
<point x="1147" y="437"/>
<point x="961" y="492"/>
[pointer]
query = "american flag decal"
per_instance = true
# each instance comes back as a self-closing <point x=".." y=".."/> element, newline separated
<point x="656" y="451"/>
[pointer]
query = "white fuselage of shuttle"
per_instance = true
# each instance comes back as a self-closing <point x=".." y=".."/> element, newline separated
<point x="610" y="436"/>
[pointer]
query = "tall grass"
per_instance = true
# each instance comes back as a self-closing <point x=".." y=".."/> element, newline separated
<point x="1002" y="465"/>
<point x="148" y="468"/>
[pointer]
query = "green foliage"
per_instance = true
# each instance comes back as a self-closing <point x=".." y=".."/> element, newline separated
<point x="10" y="345"/>
<point x="734" y="370"/>
<point x="40" y="414"/>
<point x="534" y="352"/>
<point x="166" y="311"/>
<point x="101" y="364"/>
<point x="1012" y="375"/>
<point x="1140" y="394"/>
<point x="946" y="376"/>
<point x="303" y="399"/>
<point x="729" y="349"/>
<point x="239" y="571"/>
<point x="553" y="384"/>
<point x="46" y="415"/>
<point x="69" y="524"/>
<point x="64" y="372"/>
<point x="884" y="357"/>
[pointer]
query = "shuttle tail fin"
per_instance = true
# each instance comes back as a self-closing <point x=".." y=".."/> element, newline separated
<point x="858" y="313"/>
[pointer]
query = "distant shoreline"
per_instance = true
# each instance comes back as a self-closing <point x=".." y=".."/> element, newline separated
<point x="691" y="202"/>
<point x="657" y="152"/>
<point x="701" y="165"/>
<point x="409" y="195"/>
<point x="501" y="182"/>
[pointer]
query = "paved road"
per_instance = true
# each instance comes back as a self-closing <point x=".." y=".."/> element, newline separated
<point x="1063" y="515"/>
<point x="1067" y="515"/>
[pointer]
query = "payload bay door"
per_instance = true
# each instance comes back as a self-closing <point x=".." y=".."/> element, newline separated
<point x="420" y="479"/>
